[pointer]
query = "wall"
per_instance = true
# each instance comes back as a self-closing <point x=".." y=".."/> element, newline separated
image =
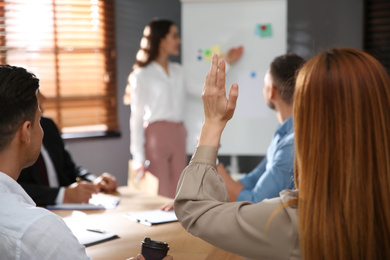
<point x="313" y="25"/>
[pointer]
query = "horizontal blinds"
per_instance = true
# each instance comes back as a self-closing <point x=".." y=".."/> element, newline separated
<point x="377" y="30"/>
<point x="70" y="46"/>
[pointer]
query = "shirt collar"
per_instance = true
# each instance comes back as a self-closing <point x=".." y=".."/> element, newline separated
<point x="286" y="127"/>
<point x="160" y="68"/>
<point x="10" y="185"/>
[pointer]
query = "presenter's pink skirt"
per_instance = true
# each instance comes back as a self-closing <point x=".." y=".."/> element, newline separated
<point x="165" y="148"/>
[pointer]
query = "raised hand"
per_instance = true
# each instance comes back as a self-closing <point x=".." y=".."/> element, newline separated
<point x="218" y="109"/>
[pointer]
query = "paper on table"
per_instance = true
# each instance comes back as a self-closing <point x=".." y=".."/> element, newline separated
<point x="98" y="201"/>
<point x="152" y="217"/>
<point x="107" y="201"/>
<point x="89" y="237"/>
<point x="82" y="225"/>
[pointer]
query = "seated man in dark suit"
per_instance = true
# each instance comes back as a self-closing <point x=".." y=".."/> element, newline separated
<point x="55" y="178"/>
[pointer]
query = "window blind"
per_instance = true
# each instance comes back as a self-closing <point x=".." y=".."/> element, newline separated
<point x="70" y="46"/>
<point x="377" y="30"/>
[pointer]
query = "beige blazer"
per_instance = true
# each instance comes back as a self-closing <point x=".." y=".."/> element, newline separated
<point x="265" y="230"/>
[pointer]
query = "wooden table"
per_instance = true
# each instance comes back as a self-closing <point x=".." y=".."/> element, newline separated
<point x="182" y="244"/>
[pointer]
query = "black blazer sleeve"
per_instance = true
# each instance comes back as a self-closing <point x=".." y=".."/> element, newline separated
<point x="67" y="170"/>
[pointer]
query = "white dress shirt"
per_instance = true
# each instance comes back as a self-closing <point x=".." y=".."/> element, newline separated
<point x="29" y="232"/>
<point x="50" y="169"/>
<point x="52" y="175"/>
<point x="156" y="96"/>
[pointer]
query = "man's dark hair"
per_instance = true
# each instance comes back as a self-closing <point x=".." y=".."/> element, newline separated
<point x="18" y="100"/>
<point x="283" y="71"/>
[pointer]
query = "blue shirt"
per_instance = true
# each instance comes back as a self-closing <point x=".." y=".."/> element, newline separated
<point x="275" y="172"/>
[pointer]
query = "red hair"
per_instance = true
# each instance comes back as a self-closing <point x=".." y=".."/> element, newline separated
<point x="342" y="160"/>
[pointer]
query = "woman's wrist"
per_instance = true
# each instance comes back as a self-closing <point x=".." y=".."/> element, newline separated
<point x="211" y="134"/>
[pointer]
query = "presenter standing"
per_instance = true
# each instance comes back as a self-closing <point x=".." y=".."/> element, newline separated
<point x="158" y="89"/>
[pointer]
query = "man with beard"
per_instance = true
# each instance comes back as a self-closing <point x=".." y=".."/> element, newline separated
<point x="276" y="171"/>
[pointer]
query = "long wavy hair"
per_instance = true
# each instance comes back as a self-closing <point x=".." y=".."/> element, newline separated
<point x="342" y="159"/>
<point x="153" y="33"/>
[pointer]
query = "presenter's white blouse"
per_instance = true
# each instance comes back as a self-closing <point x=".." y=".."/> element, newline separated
<point x="28" y="232"/>
<point x="156" y="96"/>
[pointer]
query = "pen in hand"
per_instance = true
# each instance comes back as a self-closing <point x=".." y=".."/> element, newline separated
<point x="140" y="174"/>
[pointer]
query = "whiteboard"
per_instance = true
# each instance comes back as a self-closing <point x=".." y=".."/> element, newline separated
<point x="216" y="26"/>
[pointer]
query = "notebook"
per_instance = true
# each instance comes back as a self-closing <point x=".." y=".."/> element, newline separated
<point x="89" y="237"/>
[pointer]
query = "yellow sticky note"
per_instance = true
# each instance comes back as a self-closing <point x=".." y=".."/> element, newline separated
<point x="208" y="53"/>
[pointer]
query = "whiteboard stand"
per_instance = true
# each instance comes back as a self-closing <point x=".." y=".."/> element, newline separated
<point x="233" y="167"/>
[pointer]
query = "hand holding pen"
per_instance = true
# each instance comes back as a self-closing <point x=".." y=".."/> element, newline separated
<point x="80" y="192"/>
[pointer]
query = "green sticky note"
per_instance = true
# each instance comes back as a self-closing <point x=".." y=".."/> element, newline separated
<point x="263" y="30"/>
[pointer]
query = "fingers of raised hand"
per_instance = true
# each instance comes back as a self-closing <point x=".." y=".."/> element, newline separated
<point x="232" y="102"/>
<point x="211" y="78"/>
<point x="215" y="79"/>
<point x="221" y="75"/>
